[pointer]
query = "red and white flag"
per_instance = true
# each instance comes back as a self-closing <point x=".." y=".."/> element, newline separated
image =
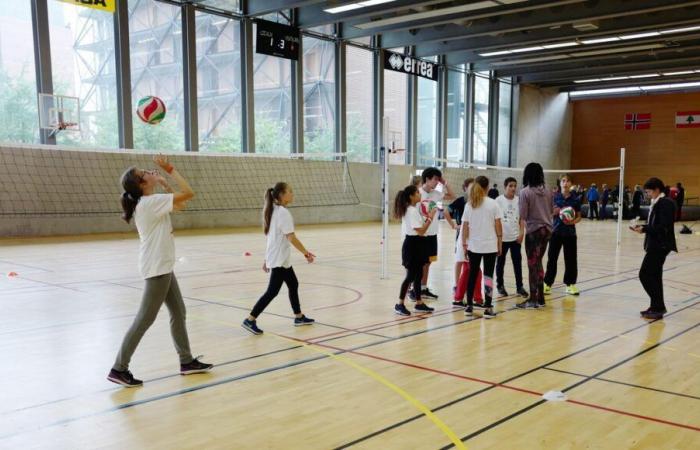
<point x="637" y="121"/>
<point x="688" y="119"/>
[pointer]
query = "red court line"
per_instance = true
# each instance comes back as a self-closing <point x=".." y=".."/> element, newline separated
<point x="505" y="386"/>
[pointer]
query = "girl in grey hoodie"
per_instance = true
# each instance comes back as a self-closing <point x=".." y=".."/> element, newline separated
<point x="536" y="209"/>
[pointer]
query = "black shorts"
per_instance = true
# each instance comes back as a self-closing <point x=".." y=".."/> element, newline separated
<point x="432" y="247"/>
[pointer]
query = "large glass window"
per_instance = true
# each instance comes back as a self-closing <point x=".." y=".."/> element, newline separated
<point x="426" y="124"/>
<point x="82" y="63"/>
<point x="359" y="103"/>
<point x="272" y="83"/>
<point x="455" y="115"/>
<point x="218" y="83"/>
<point x="155" y="41"/>
<point x="481" y="117"/>
<point x="505" y="93"/>
<point x="319" y="95"/>
<point x="19" y="120"/>
<point x="395" y="99"/>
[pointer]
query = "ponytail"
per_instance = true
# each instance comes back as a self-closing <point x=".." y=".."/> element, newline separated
<point x="477" y="191"/>
<point x="403" y="201"/>
<point x="272" y="195"/>
<point x="131" y="183"/>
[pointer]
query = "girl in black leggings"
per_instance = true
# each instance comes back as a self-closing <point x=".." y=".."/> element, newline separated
<point x="414" y="252"/>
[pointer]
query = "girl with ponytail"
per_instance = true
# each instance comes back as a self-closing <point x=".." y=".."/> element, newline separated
<point x="151" y="212"/>
<point x="414" y="252"/>
<point x="278" y="226"/>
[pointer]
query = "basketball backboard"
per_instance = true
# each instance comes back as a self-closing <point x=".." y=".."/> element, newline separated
<point x="59" y="112"/>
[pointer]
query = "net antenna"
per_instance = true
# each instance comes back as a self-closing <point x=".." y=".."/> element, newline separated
<point x="455" y="171"/>
<point x="59" y="113"/>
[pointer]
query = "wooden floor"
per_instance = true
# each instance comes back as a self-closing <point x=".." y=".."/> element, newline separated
<point x="360" y="378"/>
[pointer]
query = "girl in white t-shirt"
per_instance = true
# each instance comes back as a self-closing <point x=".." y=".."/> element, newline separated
<point x="151" y="212"/>
<point x="481" y="239"/>
<point x="414" y="252"/>
<point x="278" y="225"/>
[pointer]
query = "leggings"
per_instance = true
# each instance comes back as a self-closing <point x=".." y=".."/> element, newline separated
<point x="279" y="275"/>
<point x="163" y="288"/>
<point x="489" y="265"/>
<point x="414" y="273"/>
<point x="651" y="276"/>
<point x="535" y="246"/>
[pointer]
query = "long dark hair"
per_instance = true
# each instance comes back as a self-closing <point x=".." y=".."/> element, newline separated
<point x="131" y="183"/>
<point x="403" y="201"/>
<point x="272" y="195"/>
<point x="533" y="175"/>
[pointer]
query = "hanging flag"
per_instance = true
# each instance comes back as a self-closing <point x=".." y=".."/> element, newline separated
<point x="688" y="119"/>
<point x="102" y="5"/>
<point x="637" y="121"/>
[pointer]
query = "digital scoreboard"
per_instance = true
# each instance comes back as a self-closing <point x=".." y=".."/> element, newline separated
<point x="277" y="40"/>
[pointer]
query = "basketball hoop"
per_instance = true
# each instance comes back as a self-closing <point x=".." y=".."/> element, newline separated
<point x="59" y="113"/>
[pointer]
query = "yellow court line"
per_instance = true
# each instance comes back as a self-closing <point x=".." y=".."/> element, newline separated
<point x="372" y="374"/>
<point x="377" y="377"/>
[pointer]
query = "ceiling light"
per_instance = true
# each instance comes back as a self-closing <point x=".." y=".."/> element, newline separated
<point x="600" y="40"/>
<point x="680" y="30"/>
<point x="561" y="44"/>
<point x="646" y="75"/>
<point x="682" y="72"/>
<point x="529" y="60"/>
<point x="604" y="91"/>
<point x="625" y="37"/>
<point x="426" y="14"/>
<point x="617" y="50"/>
<point x="592" y="80"/>
<point x="657" y="87"/>
<point x="613" y="78"/>
<point x="498" y="53"/>
<point x="527" y="49"/>
<point x="344" y="8"/>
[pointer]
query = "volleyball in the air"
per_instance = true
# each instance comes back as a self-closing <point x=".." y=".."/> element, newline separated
<point x="151" y="110"/>
<point x="426" y="206"/>
<point x="567" y="215"/>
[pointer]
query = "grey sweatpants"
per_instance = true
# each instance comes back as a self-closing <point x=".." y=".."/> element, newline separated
<point x="163" y="288"/>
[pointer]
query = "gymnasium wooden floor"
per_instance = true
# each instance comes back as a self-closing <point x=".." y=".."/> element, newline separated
<point x="362" y="377"/>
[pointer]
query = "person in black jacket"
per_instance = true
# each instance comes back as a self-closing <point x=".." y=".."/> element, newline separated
<point x="659" y="241"/>
<point x="679" y="200"/>
<point x="637" y="199"/>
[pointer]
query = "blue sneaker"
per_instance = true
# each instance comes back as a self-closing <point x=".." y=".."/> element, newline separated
<point x="401" y="310"/>
<point x="251" y="326"/>
<point x="303" y="320"/>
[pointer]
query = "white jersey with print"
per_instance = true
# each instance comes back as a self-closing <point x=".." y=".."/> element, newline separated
<point x="432" y="196"/>
<point x="278" y="252"/>
<point x="511" y="217"/>
<point x="410" y="221"/>
<point x="482" y="226"/>
<point x="157" y="249"/>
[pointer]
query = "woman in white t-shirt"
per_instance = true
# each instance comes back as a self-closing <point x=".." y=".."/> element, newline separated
<point x="278" y="226"/>
<point x="151" y="212"/>
<point x="481" y="239"/>
<point x="414" y="252"/>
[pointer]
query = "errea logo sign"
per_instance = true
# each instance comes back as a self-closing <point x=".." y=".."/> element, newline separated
<point x="410" y="65"/>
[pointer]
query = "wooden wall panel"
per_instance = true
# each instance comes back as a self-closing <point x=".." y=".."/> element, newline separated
<point x="670" y="153"/>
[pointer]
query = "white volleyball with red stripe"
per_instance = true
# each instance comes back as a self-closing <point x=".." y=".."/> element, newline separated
<point x="151" y="110"/>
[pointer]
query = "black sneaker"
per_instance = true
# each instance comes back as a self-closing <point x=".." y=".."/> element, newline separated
<point x="479" y="305"/>
<point x="502" y="291"/>
<point x="458" y="304"/>
<point x="412" y="295"/>
<point x="526" y="305"/>
<point x="196" y="366"/>
<point x="522" y="292"/>
<point x="468" y="311"/>
<point x="401" y="310"/>
<point x="422" y="307"/>
<point x="252" y="326"/>
<point x="125" y="378"/>
<point x="541" y="304"/>
<point x="426" y="293"/>
<point x="303" y="320"/>
<point x="648" y="310"/>
<point x="489" y="313"/>
<point x="653" y="315"/>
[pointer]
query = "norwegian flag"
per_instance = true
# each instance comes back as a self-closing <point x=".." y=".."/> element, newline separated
<point x="688" y="119"/>
<point x="637" y="121"/>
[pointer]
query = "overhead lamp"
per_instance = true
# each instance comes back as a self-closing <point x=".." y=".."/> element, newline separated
<point x="358" y="5"/>
<point x="497" y="53"/>
<point x="600" y="40"/>
<point x="561" y="44"/>
<point x="625" y="37"/>
<point x="646" y="75"/>
<point x="680" y="30"/>
<point x="682" y="72"/>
